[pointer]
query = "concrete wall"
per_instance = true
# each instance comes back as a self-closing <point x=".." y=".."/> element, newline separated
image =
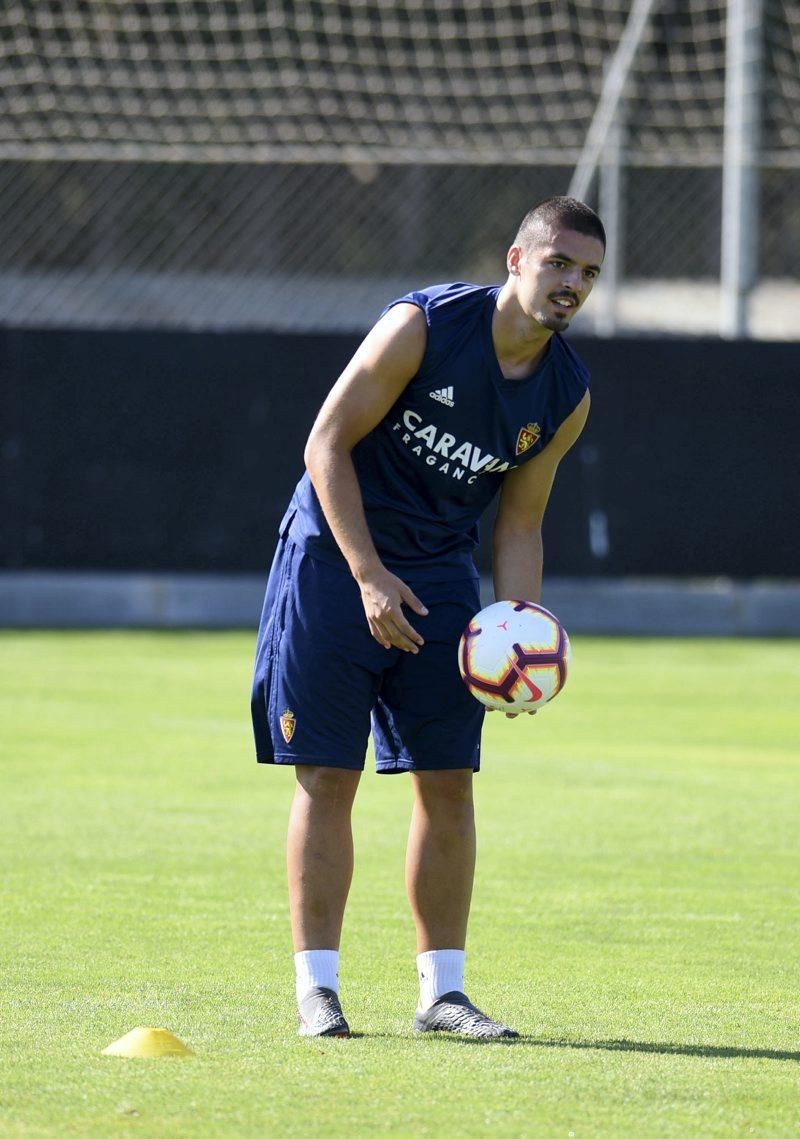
<point x="636" y="607"/>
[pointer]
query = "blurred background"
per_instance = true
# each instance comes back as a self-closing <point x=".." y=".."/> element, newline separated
<point x="205" y="203"/>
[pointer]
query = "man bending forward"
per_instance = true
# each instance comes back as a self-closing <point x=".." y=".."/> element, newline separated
<point x="458" y="392"/>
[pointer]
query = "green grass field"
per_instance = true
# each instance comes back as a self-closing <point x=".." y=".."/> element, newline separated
<point x="636" y="913"/>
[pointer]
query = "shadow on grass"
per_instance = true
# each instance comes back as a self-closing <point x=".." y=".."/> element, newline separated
<point x="706" y="1051"/>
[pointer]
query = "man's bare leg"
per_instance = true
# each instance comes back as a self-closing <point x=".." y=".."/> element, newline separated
<point x="440" y="866"/>
<point x="320" y="868"/>
<point x="319" y="854"/>
<point x="440" y="858"/>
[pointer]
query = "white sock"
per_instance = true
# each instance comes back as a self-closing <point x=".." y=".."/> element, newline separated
<point x="440" y="971"/>
<point x="316" y="968"/>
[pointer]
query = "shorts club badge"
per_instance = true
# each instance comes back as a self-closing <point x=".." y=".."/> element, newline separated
<point x="288" y="724"/>
<point x="528" y="436"/>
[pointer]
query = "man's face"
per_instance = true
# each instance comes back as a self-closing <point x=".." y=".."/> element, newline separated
<point x="556" y="274"/>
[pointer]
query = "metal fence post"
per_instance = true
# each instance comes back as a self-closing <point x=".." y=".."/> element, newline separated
<point x="740" y="164"/>
<point x="611" y="207"/>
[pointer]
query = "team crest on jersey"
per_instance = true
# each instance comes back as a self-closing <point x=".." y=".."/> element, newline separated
<point x="528" y="436"/>
<point x="288" y="725"/>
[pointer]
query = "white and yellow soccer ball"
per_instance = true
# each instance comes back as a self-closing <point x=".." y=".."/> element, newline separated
<point x="514" y="656"/>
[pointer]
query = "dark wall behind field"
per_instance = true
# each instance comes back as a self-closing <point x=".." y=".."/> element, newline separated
<point x="178" y="451"/>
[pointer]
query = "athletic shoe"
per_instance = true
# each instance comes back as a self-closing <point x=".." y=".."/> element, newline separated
<point x="321" y="1014"/>
<point x="454" y="1012"/>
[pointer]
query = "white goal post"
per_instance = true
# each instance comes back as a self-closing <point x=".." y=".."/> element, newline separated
<point x="741" y="140"/>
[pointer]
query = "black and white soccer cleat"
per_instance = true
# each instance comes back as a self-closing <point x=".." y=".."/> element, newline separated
<point x="320" y="1014"/>
<point x="454" y="1012"/>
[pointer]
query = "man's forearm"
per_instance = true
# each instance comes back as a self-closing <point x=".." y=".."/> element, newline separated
<point x="383" y="594"/>
<point x="517" y="565"/>
<point x="334" y="479"/>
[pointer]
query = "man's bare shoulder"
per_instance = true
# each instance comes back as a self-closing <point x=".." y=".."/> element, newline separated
<point x="400" y="335"/>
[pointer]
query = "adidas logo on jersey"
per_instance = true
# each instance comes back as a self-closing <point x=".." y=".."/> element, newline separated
<point x="443" y="395"/>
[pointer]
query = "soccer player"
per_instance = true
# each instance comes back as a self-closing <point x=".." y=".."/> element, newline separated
<point x="457" y="393"/>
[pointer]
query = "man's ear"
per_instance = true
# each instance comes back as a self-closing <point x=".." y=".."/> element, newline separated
<point x="513" y="258"/>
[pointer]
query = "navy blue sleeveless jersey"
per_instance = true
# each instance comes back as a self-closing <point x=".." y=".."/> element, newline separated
<point x="430" y="468"/>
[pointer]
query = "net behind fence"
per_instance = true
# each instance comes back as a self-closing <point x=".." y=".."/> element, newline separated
<point x="237" y="163"/>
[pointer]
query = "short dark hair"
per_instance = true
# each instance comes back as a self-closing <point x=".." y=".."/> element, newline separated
<point x="560" y="211"/>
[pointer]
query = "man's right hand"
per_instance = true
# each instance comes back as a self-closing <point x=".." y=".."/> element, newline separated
<point x="383" y="596"/>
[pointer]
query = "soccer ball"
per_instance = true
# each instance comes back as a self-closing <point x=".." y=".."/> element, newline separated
<point x="513" y="656"/>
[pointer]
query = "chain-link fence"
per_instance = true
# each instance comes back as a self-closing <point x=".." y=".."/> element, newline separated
<point x="294" y="164"/>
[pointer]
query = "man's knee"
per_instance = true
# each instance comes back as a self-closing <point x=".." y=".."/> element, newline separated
<point x="327" y="783"/>
<point x="444" y="788"/>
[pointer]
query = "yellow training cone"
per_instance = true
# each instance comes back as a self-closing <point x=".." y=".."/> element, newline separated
<point x="148" y="1042"/>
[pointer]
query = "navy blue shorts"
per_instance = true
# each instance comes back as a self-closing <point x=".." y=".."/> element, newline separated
<point x="321" y="680"/>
